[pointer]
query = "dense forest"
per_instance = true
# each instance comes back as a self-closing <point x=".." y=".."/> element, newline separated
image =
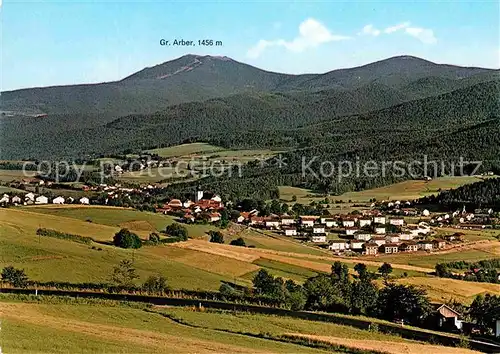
<point x="484" y="194"/>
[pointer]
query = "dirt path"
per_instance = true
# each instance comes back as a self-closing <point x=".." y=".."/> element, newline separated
<point x="388" y="346"/>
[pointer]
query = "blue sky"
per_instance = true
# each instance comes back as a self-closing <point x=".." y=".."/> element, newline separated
<point x="69" y="42"/>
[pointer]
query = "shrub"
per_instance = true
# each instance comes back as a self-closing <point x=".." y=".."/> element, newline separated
<point x="238" y="242"/>
<point x="14" y="276"/>
<point x="63" y="236"/>
<point x="126" y="239"/>
<point x="177" y="230"/>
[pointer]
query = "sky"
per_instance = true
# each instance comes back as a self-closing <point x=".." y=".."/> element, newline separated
<point x="46" y="43"/>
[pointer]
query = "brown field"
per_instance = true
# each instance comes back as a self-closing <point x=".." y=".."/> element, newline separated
<point x="138" y="225"/>
<point x="302" y="260"/>
<point x="391" y="347"/>
<point x="443" y="289"/>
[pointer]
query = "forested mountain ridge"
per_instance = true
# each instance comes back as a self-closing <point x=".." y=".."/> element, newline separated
<point x="197" y="78"/>
<point x="254" y="120"/>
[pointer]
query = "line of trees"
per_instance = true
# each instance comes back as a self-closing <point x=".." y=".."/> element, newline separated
<point x="487" y="271"/>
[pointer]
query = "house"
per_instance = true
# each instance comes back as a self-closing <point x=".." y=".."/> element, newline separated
<point x="392" y="238"/>
<point x="84" y="200"/>
<point x="188" y="218"/>
<point x="187" y="204"/>
<point x="29" y="196"/>
<point x="287" y="220"/>
<point x="472" y="226"/>
<point x="318" y="229"/>
<point x="271" y="223"/>
<point x="380" y="230"/>
<point x="16" y="200"/>
<point x="370" y="248"/>
<point x="445" y="318"/>
<point x="213" y="217"/>
<point x="5" y="199"/>
<point x="175" y="204"/>
<point x="379" y="240"/>
<point x="240" y="219"/>
<point x="329" y="222"/>
<point x="457" y="236"/>
<point x="425" y="245"/>
<point x="379" y="219"/>
<point x="290" y="231"/>
<point x="348" y="223"/>
<point x="198" y="196"/>
<point x="58" y="200"/>
<point x="426" y="212"/>
<point x="256" y="221"/>
<point x="350" y="231"/>
<point x="307" y="220"/>
<point x="338" y="246"/>
<point x="41" y="200"/>
<point x="363" y="236"/>
<point x="356" y="244"/>
<point x="364" y="222"/>
<point x="165" y="209"/>
<point x="216" y="198"/>
<point x="390" y="248"/>
<point x="318" y="238"/>
<point x="408" y="246"/>
<point x="397" y="221"/>
<point x="439" y="243"/>
<point x="405" y="236"/>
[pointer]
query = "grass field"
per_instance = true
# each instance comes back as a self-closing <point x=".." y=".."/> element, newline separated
<point x="117" y="328"/>
<point x="185" y="149"/>
<point x="116" y="217"/>
<point x="407" y="190"/>
<point x="204" y="158"/>
<point x="195" y="264"/>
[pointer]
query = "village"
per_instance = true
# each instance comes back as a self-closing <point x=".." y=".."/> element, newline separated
<point x="385" y="227"/>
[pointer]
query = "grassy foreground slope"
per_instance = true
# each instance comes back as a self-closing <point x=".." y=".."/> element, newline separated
<point x="114" y="328"/>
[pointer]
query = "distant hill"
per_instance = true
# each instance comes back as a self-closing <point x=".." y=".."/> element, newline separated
<point x="197" y="78"/>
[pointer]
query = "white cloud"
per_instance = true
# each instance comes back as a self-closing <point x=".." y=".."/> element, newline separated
<point x="423" y="34"/>
<point x="312" y="33"/>
<point x="395" y="28"/>
<point x="369" y="29"/>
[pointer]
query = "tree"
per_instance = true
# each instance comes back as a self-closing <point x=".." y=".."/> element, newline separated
<point x="322" y="294"/>
<point x="442" y="270"/>
<point x="263" y="282"/>
<point x="124" y="274"/>
<point x="485" y="311"/>
<point x="238" y="242"/>
<point x="340" y="271"/>
<point x="294" y="198"/>
<point x="126" y="239"/>
<point x="216" y="236"/>
<point x="385" y="269"/>
<point x="154" y="238"/>
<point x="363" y="297"/>
<point x="362" y="270"/>
<point x="403" y="302"/>
<point x="177" y="230"/>
<point x="155" y="284"/>
<point x="16" y="277"/>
